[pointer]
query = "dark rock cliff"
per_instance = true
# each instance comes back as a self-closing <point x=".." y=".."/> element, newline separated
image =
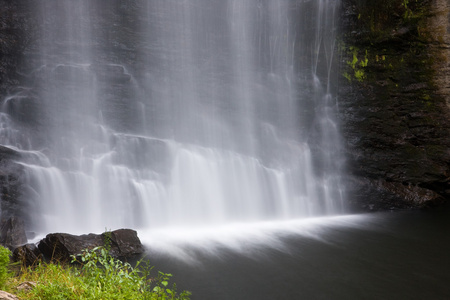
<point x="21" y="76"/>
<point x="394" y="99"/>
<point x="15" y="37"/>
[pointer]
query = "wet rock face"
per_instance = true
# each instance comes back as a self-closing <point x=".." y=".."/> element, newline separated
<point x="11" y="186"/>
<point x="12" y="233"/>
<point x="15" y="36"/>
<point x="21" y="75"/>
<point x="394" y="102"/>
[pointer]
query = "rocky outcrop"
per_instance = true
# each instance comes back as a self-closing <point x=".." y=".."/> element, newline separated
<point x="12" y="233"/>
<point x="122" y="243"/>
<point x="27" y="255"/>
<point x="394" y="95"/>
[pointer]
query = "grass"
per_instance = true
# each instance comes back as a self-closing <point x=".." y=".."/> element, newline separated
<point x="93" y="275"/>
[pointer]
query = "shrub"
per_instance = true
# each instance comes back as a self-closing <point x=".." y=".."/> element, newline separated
<point x="105" y="276"/>
<point x="4" y="265"/>
<point x="99" y="276"/>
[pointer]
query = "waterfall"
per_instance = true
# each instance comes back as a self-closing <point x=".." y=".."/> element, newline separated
<point x="150" y="114"/>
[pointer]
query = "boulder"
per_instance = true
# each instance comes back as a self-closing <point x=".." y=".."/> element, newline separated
<point x="7" y="296"/>
<point x="26" y="286"/>
<point x="60" y="246"/>
<point x="13" y="233"/>
<point x="123" y="243"/>
<point x="27" y="254"/>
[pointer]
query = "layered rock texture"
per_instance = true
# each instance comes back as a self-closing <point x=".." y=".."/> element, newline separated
<point x="394" y="99"/>
<point x="15" y="37"/>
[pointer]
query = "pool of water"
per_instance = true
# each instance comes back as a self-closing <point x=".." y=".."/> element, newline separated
<point x="398" y="255"/>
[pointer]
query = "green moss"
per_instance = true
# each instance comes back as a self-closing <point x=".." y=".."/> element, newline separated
<point x="379" y="18"/>
<point x="391" y="49"/>
<point x="359" y="75"/>
<point x="347" y="76"/>
<point x="357" y="64"/>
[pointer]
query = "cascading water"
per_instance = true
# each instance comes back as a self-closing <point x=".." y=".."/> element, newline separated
<point x="156" y="113"/>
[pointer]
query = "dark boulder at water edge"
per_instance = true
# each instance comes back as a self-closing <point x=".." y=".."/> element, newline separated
<point x="27" y="255"/>
<point x="122" y="243"/>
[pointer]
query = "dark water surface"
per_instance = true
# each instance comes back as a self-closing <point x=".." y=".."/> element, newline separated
<point x="402" y="255"/>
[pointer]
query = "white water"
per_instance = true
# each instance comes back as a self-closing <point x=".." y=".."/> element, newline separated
<point x="188" y="244"/>
<point x="224" y="114"/>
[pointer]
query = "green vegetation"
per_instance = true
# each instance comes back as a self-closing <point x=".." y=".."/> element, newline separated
<point x="4" y="262"/>
<point x="94" y="275"/>
<point x="388" y="44"/>
<point x="356" y="64"/>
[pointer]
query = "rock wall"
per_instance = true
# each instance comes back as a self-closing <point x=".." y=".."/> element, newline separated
<point x="15" y="38"/>
<point x="394" y="96"/>
<point x="20" y="29"/>
<point x="438" y="29"/>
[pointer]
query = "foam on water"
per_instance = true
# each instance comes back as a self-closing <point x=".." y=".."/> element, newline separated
<point x="188" y="244"/>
